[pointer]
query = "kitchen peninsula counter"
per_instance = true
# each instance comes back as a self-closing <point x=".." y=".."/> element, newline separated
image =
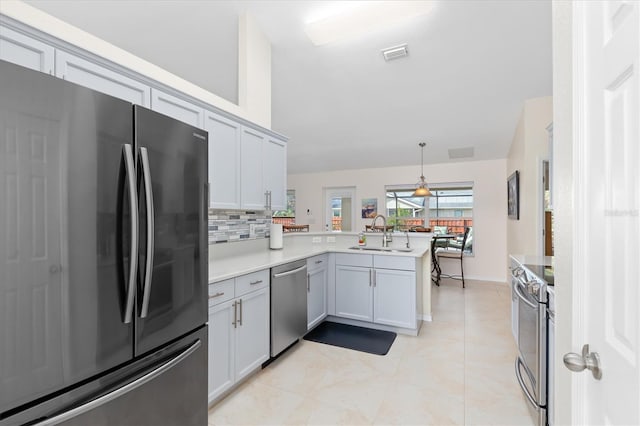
<point x="229" y="260"/>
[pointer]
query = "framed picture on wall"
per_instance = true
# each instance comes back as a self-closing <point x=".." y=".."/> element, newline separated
<point x="513" y="196"/>
<point x="369" y="208"/>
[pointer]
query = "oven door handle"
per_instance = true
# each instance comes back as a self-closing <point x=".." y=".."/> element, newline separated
<point x="518" y="288"/>
<point x="524" y="388"/>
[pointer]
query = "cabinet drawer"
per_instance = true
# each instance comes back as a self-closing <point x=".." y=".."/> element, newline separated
<point x="250" y="282"/>
<point x="221" y="292"/>
<point x="395" y="262"/>
<point x="364" y="260"/>
<point x="315" y="262"/>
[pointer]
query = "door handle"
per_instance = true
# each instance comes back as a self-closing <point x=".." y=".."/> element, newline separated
<point x="586" y="361"/>
<point x="148" y="270"/>
<point x="240" y="321"/>
<point x="127" y="152"/>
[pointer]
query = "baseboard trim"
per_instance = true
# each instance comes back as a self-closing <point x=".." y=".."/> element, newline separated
<point x="428" y="318"/>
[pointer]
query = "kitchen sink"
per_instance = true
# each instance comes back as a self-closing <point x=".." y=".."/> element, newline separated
<point x="383" y="249"/>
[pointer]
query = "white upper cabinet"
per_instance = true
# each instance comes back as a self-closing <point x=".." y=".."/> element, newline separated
<point x="28" y="52"/>
<point x="224" y="161"/>
<point x="177" y="108"/>
<point x="94" y="76"/>
<point x="251" y="160"/>
<point x="275" y="173"/>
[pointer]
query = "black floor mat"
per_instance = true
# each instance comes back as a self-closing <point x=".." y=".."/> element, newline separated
<point x="361" y="339"/>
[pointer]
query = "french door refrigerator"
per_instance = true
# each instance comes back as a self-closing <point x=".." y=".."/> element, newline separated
<point x="103" y="259"/>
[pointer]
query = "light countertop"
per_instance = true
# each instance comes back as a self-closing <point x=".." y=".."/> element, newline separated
<point x="230" y="260"/>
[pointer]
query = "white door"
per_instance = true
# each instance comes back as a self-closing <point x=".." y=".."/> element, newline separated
<point x="275" y="173"/>
<point x="252" y="333"/>
<point x="221" y="348"/>
<point x="316" y="296"/>
<point x="224" y="162"/>
<point x="252" y="195"/>
<point x="607" y="195"/>
<point x="354" y="295"/>
<point x="340" y="209"/>
<point x="394" y="298"/>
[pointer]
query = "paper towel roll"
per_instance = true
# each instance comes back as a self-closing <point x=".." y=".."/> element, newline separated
<point x="275" y="238"/>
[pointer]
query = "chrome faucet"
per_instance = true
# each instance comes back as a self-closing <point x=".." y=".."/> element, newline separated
<point x="407" y="234"/>
<point x="386" y="238"/>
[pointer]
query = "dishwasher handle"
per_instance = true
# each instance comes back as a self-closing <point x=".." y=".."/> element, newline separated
<point x="291" y="272"/>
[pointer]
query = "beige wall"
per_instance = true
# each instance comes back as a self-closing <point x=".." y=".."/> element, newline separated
<point x="489" y="214"/>
<point x="529" y="148"/>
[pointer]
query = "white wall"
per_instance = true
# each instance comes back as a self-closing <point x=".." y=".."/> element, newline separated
<point x="254" y="71"/>
<point x="529" y="148"/>
<point x="489" y="213"/>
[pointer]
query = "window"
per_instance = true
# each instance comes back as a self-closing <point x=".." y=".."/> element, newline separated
<point x="404" y="211"/>
<point x="288" y="216"/>
<point x="451" y="209"/>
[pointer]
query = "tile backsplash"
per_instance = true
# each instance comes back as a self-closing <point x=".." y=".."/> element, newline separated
<point x="226" y="226"/>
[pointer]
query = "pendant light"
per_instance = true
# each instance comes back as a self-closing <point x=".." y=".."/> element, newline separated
<point x="422" y="190"/>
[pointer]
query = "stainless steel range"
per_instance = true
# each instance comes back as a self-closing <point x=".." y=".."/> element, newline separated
<point x="529" y="315"/>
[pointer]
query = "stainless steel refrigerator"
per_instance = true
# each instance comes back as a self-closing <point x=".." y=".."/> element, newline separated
<point x="103" y="259"/>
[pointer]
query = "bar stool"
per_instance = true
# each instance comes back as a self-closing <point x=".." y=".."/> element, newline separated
<point x="452" y="253"/>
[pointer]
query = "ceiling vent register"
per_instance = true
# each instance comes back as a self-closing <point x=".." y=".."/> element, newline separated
<point x="395" y="52"/>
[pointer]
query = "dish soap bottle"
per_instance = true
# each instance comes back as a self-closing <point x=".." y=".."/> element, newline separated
<point x="362" y="239"/>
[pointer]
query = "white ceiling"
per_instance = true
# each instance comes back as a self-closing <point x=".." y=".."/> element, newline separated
<point x="471" y="65"/>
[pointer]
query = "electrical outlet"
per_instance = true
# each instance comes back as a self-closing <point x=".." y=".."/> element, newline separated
<point x="316" y="240"/>
<point x="331" y="239"/>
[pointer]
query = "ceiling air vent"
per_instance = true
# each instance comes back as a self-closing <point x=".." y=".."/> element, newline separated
<point x="461" y="153"/>
<point x="395" y="52"/>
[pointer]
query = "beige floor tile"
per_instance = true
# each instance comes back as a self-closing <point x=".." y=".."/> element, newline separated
<point x="458" y="370"/>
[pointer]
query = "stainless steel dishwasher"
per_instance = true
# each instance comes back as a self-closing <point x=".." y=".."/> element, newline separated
<point x="288" y="305"/>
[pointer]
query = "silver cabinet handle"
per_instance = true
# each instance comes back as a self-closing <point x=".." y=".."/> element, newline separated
<point x="370" y="277"/>
<point x="293" y="271"/>
<point x="122" y="390"/>
<point x="240" y="302"/>
<point x="148" y="195"/>
<point x="235" y="314"/>
<point x="127" y="152"/>
<point x="373" y="274"/>
<point x="308" y="283"/>
<point x="318" y="262"/>
<point x="588" y="360"/>
<point x="218" y="294"/>
<point x="255" y="282"/>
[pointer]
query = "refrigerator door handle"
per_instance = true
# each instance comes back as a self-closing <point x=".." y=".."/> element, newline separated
<point x="148" y="194"/>
<point x="122" y="390"/>
<point x="127" y="152"/>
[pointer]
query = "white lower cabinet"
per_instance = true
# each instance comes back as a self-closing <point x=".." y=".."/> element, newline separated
<point x="374" y="294"/>
<point x="394" y="295"/>
<point x="317" y="277"/>
<point x="238" y="330"/>
<point x="354" y="298"/>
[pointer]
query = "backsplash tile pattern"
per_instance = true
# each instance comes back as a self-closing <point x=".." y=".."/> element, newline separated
<point x="226" y="226"/>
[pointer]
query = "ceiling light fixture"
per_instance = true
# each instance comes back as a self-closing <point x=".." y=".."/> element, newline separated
<point x="395" y="52"/>
<point x="422" y="190"/>
<point x="367" y="17"/>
